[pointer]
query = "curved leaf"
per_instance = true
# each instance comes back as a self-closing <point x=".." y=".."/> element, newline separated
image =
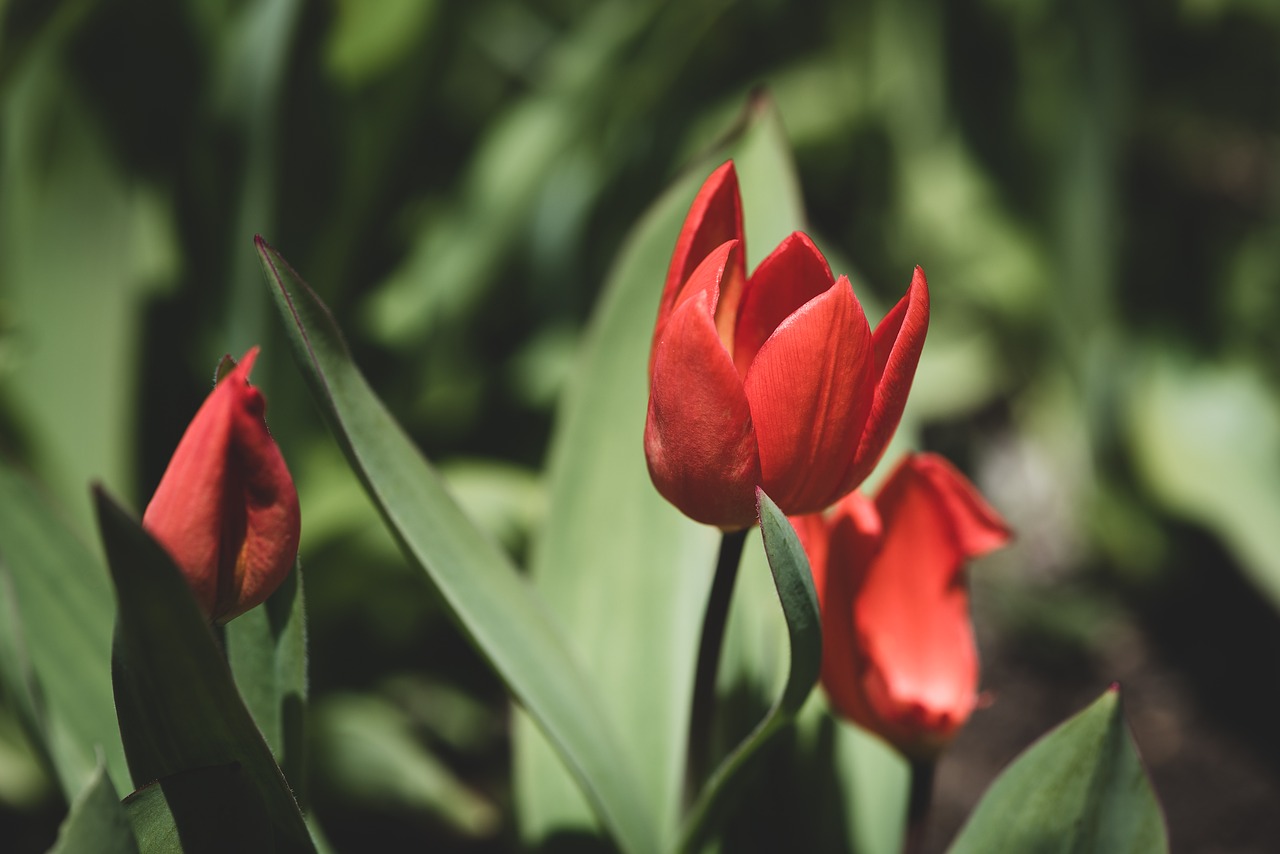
<point x="56" y="613"/>
<point x="609" y="538"/>
<point x="505" y="618"/>
<point x="1081" y="788"/>
<point x="96" y="823"/>
<point x="794" y="584"/>
<point x="177" y="704"/>
<point x="267" y="651"/>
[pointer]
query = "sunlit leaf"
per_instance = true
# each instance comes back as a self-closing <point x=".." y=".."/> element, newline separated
<point x="625" y="571"/>
<point x="56" y="613"/>
<point x="794" y="585"/>
<point x="96" y="823"/>
<point x="1081" y="788"/>
<point x="1207" y="442"/>
<point x="505" y="618"/>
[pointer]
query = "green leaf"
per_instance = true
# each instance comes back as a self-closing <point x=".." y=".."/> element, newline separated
<point x="213" y="809"/>
<point x="505" y="618"/>
<point x="267" y="651"/>
<point x="177" y="704"/>
<point x="1081" y="788"/>
<point x="1205" y="440"/>
<point x="794" y="584"/>
<point x="56" y="613"/>
<point x="371" y="755"/>
<point x="96" y="823"/>
<point x="627" y="573"/>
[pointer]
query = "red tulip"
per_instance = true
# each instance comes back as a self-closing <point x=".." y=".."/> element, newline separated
<point x="898" y="651"/>
<point x="226" y="509"/>
<point x="773" y="380"/>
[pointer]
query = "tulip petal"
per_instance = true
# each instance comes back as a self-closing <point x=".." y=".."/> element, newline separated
<point x="271" y="524"/>
<point x="975" y="524"/>
<point x="899" y="338"/>
<point x="699" y="440"/>
<point x="839" y="555"/>
<point x="793" y="274"/>
<point x="810" y="392"/>
<point x="920" y="662"/>
<point x="714" y="218"/>
<point x="226" y="509"/>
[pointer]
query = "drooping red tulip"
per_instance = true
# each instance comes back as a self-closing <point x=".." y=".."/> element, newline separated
<point x="773" y="379"/>
<point x="226" y="508"/>
<point x="898" y="651"/>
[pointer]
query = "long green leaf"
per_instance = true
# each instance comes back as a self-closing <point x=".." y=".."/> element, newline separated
<point x="56" y="613"/>
<point x="794" y="584"/>
<point x="177" y="704"/>
<point x="625" y="571"/>
<point x="505" y="618"/>
<point x="1080" y="789"/>
<point x="267" y="651"/>
<point x="213" y="810"/>
<point x="96" y="823"/>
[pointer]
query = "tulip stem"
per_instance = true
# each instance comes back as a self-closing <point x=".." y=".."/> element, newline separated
<point x="918" y="803"/>
<point x="702" y="715"/>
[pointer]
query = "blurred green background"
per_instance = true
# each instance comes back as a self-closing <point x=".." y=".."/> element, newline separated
<point x="1092" y="188"/>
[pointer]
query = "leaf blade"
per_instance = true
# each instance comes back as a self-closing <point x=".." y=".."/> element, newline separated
<point x="605" y="512"/>
<point x="794" y="585"/>
<point x="176" y="700"/>
<point x="503" y="616"/>
<point x="1079" y="788"/>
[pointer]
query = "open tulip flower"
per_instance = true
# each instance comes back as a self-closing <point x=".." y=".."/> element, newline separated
<point x="774" y="379"/>
<point x="898" y="651"/>
<point x="226" y="508"/>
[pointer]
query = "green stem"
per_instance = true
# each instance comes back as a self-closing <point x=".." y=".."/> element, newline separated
<point x="918" y="803"/>
<point x="702" y="716"/>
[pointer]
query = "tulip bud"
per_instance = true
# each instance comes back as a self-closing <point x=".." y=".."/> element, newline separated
<point x="899" y="657"/>
<point x="226" y="509"/>
<point x="772" y="380"/>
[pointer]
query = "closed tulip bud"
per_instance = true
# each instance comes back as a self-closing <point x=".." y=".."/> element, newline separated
<point x="226" y="509"/>
<point x="899" y="657"/>
<point x="774" y="379"/>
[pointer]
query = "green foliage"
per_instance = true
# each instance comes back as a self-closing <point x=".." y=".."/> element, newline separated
<point x="1089" y="186"/>
<point x="55" y="650"/>
<point x="186" y="732"/>
<point x="507" y="621"/>
<point x="1080" y="788"/>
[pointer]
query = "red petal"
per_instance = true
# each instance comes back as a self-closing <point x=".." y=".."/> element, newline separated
<point x="898" y="341"/>
<point x="810" y="391"/>
<point x="976" y="526"/>
<point x="268" y="501"/>
<point x="714" y="218"/>
<point x="912" y="612"/>
<point x="852" y="537"/>
<point x="226" y="508"/>
<point x="699" y="440"/>
<point x="793" y="274"/>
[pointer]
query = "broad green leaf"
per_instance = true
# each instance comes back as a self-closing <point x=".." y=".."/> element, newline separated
<point x="267" y="651"/>
<point x="370" y="754"/>
<point x="847" y="789"/>
<point x="494" y="604"/>
<point x="177" y="703"/>
<point x="625" y="571"/>
<point x="1207" y="442"/>
<point x="56" y="613"/>
<point x="1078" y="790"/>
<point x="794" y="585"/>
<point x="201" y="811"/>
<point x="96" y="823"/>
<point x="82" y="247"/>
